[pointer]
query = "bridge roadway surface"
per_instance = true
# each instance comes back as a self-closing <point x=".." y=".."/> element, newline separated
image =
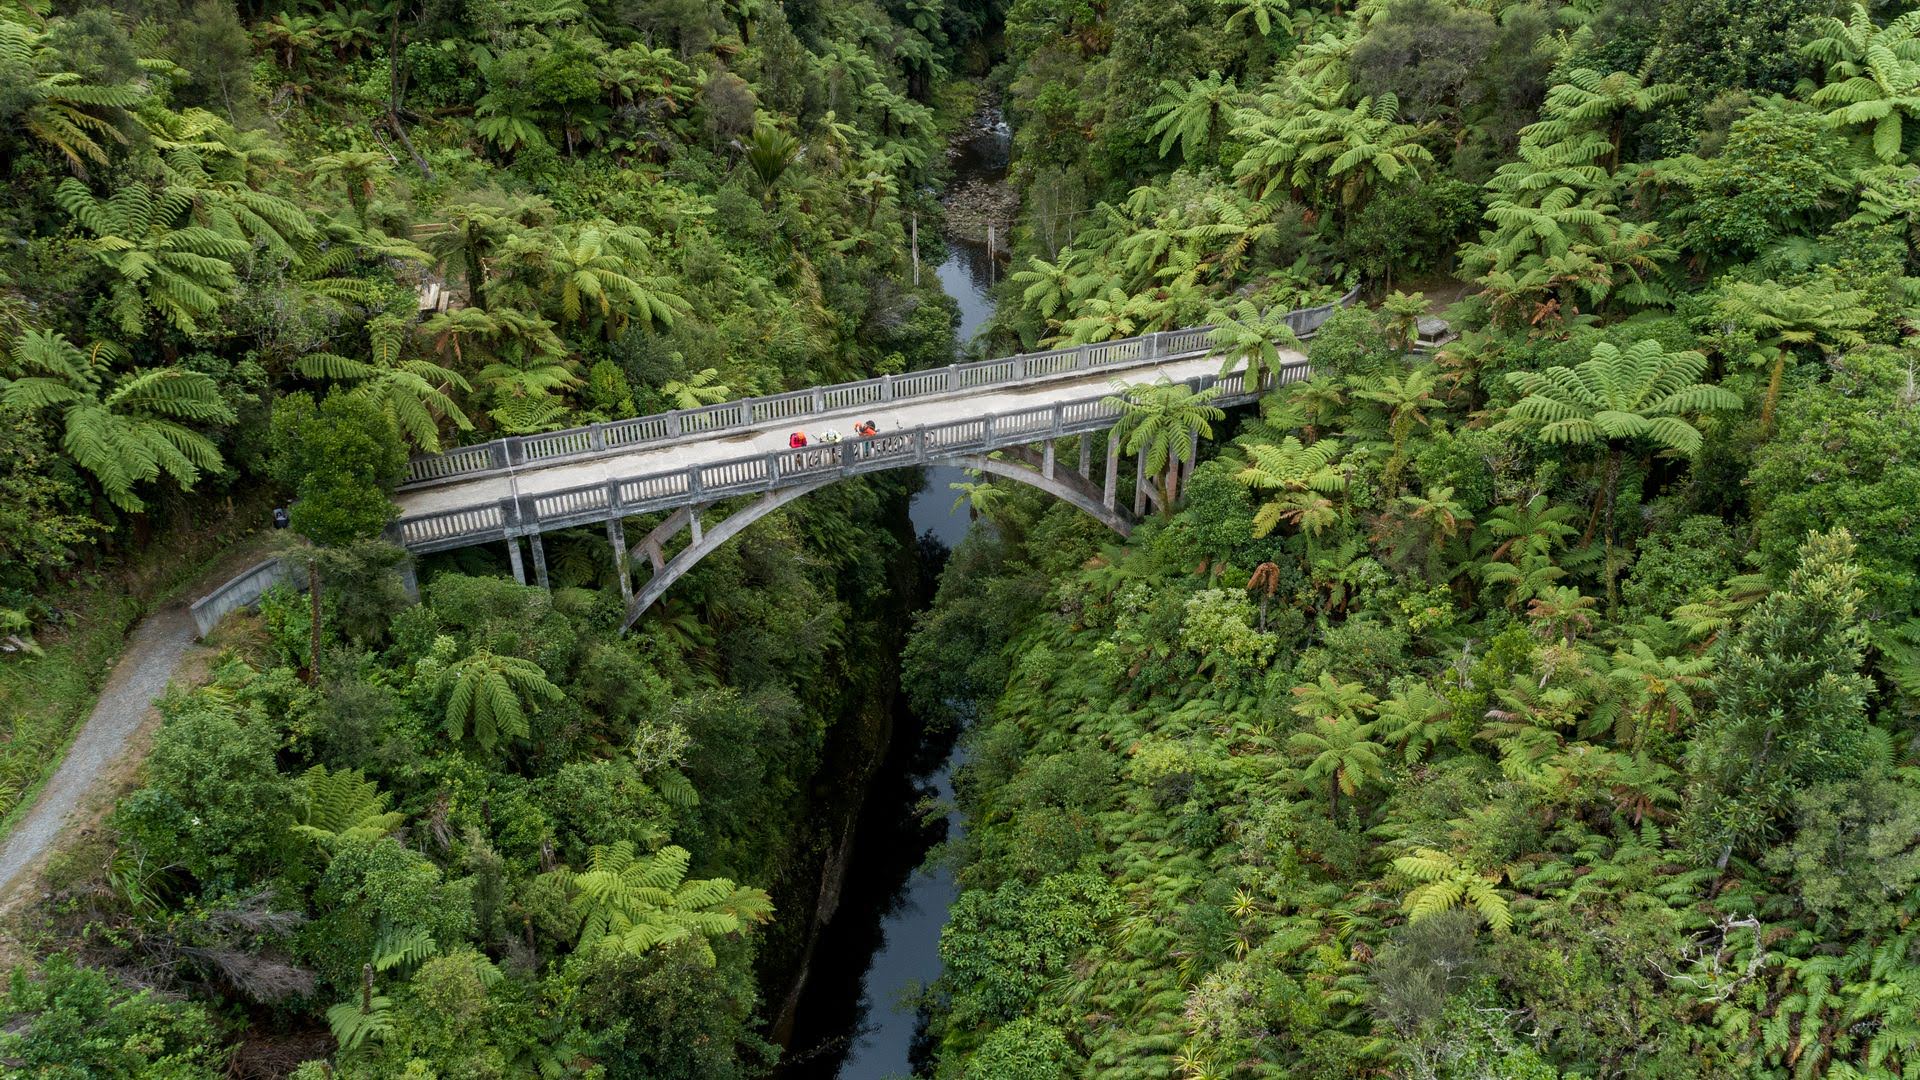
<point x="771" y="435"/>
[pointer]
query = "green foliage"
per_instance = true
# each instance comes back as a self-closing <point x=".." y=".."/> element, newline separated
<point x="373" y="895"/>
<point x="1445" y="882"/>
<point x="70" y="1020"/>
<point x="1303" y="479"/>
<point x="341" y="806"/>
<point x="1639" y="393"/>
<point x="1002" y="947"/>
<point x="1025" y="1049"/>
<point x="668" y="1014"/>
<point x="1194" y="115"/>
<point x="341" y="458"/>
<point x="1160" y="422"/>
<point x="224" y="834"/>
<point x="1212" y="828"/>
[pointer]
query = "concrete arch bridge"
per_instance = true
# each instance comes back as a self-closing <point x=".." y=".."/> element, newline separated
<point x="688" y="463"/>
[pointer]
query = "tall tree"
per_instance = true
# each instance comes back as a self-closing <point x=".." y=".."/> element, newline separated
<point x="597" y="273"/>
<point x="1339" y="744"/>
<point x="413" y="391"/>
<point x="341" y="458"/>
<point x="477" y="227"/>
<point x="1249" y="336"/>
<point x="492" y="693"/>
<point x="57" y="107"/>
<point x="1872" y="77"/>
<point x="1789" y="707"/>
<point x="1817" y="314"/>
<point x="1302" y="480"/>
<point x="633" y="903"/>
<point x="1407" y="399"/>
<point x="158" y="256"/>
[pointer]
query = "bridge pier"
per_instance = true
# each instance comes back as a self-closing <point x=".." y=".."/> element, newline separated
<point x="1086" y="455"/>
<point x="1139" y="484"/>
<point x="1111" y="492"/>
<point x="617" y="538"/>
<point x="513" y="558"/>
<point x="410" y="579"/>
<point x="1046" y="459"/>
<point x="539" y="560"/>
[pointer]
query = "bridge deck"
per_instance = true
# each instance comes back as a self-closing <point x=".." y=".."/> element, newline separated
<point x="535" y="479"/>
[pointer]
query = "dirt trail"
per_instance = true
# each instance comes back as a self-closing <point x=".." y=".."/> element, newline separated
<point x="154" y="651"/>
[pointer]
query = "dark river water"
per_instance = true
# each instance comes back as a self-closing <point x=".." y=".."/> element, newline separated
<point x="859" y="1016"/>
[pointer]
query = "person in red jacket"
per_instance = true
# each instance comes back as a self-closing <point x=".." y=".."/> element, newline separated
<point x="797" y="440"/>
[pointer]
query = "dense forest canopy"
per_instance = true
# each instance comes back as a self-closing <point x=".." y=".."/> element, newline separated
<point x="1531" y="693"/>
<point x="273" y="251"/>
<point x="1537" y="704"/>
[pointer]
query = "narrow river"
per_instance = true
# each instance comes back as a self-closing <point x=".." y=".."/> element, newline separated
<point x="859" y="1016"/>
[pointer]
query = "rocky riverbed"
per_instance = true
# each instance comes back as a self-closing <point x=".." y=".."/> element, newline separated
<point x="980" y="195"/>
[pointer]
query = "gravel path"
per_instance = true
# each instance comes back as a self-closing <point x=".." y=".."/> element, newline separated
<point x="154" y="650"/>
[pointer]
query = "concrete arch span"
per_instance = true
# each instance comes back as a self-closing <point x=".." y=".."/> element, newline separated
<point x="1066" y="486"/>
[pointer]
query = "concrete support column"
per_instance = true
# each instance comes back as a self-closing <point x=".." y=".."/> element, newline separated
<point x="1193" y="461"/>
<point x="513" y="557"/>
<point x="539" y="560"/>
<point x="693" y="522"/>
<point x="1046" y="459"/>
<point x="1139" y="484"/>
<point x="617" y="537"/>
<point x="1111" y="492"/>
<point x="410" y="579"/>
<point x="1086" y="455"/>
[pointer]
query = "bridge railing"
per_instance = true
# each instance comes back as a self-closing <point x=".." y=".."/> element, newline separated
<point x="753" y="473"/>
<point x="520" y="450"/>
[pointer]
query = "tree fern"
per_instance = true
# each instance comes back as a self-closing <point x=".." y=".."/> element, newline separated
<point x="344" y="805"/>
<point x="118" y="427"/>
<point x="634" y="903"/>
<point x="159" y="258"/>
<point x="493" y="694"/>
<point x="369" y="1017"/>
<point x="1446" y="881"/>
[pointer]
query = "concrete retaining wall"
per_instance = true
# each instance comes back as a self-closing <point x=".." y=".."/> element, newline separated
<point x="243" y="590"/>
